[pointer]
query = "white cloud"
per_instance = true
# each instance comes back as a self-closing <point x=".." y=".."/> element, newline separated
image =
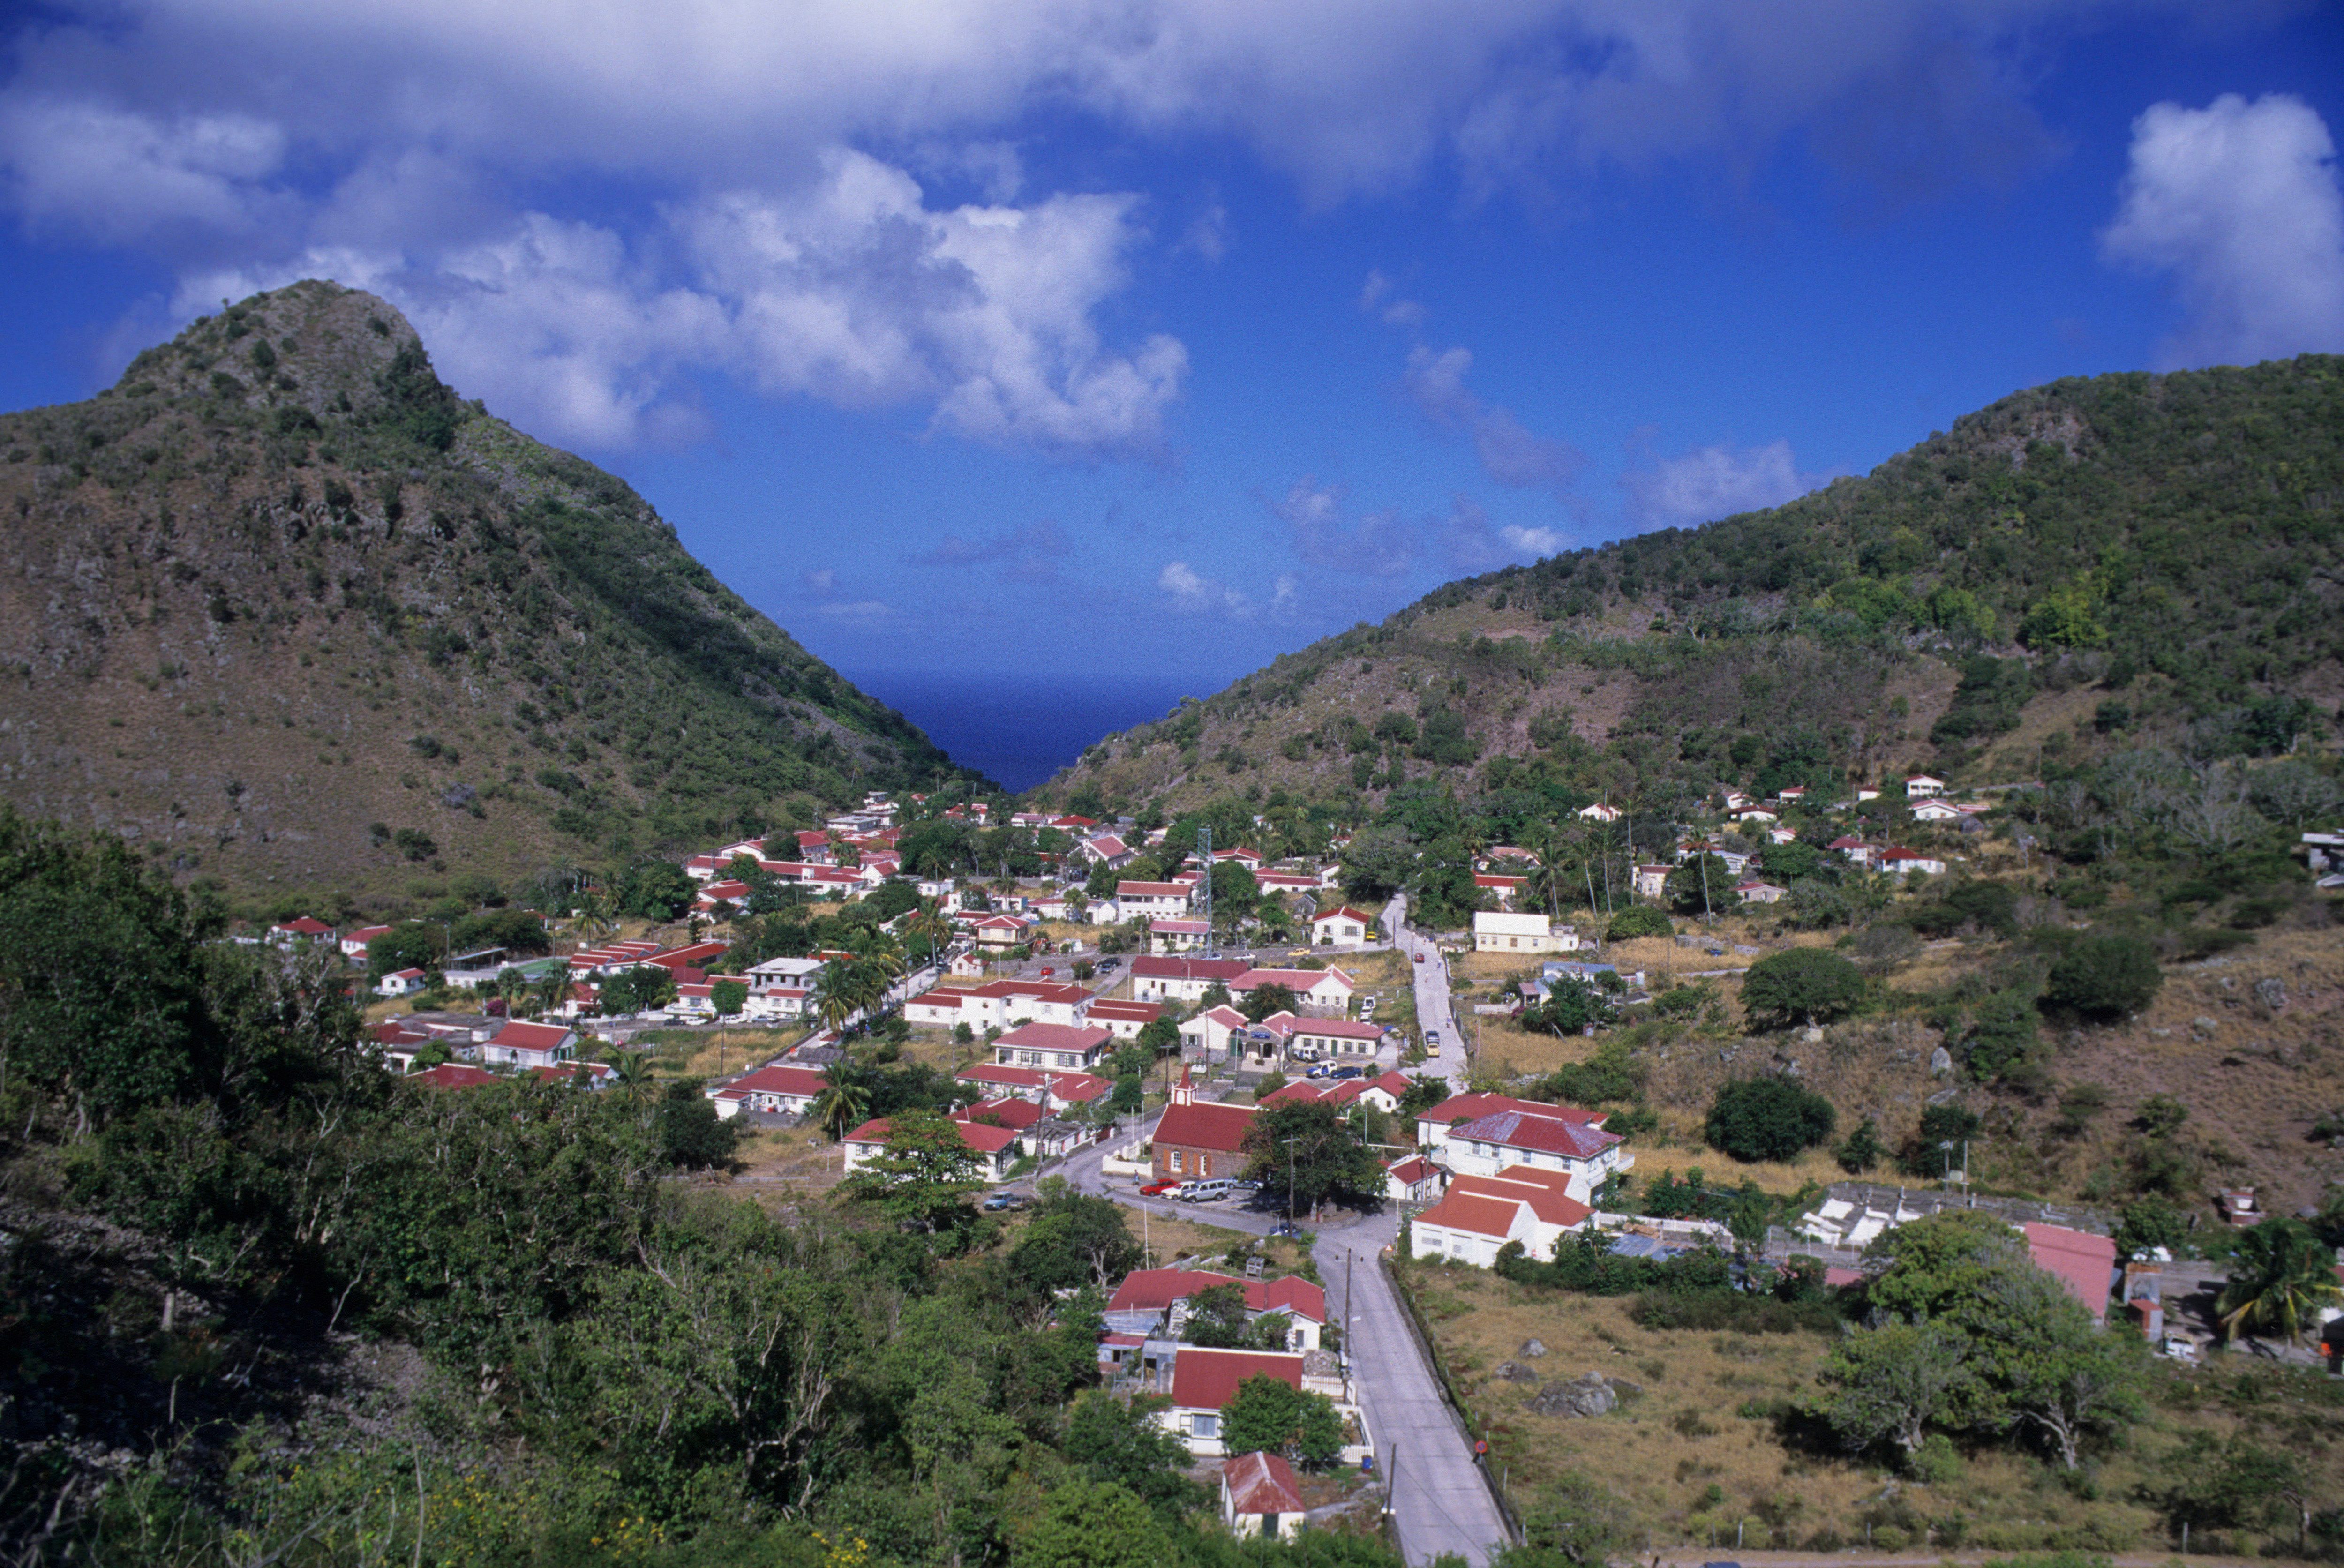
<point x="1190" y="593"/>
<point x="1713" y="482"/>
<point x="860" y="612"/>
<point x="119" y="175"/>
<point x="1378" y="544"/>
<point x="1510" y="454"/>
<point x="1534" y="542"/>
<point x="2239" y="202"/>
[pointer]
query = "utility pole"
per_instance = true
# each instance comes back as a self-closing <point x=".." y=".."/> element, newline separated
<point x="1289" y="1177"/>
<point x="1204" y="853"/>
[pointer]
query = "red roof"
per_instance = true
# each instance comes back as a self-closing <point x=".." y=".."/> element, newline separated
<point x="1151" y="890"/>
<point x="452" y="1075"/>
<point x="1483" y="1216"/>
<point x="524" y="1036"/>
<point x="781" y="1079"/>
<point x="1128" y="1012"/>
<point x="1221" y="969"/>
<point x="1054" y="1037"/>
<point x="1545" y="1134"/>
<point x="1548" y="1193"/>
<point x="1298" y="980"/>
<point x="1202" y="1124"/>
<point x="2084" y="1263"/>
<point x="976" y="1135"/>
<point x="1468" y="1106"/>
<point x="1080" y="1088"/>
<point x="305" y="926"/>
<point x="1413" y="1170"/>
<point x="1261" y="1483"/>
<point x="1179" y="927"/>
<point x="1344" y="1029"/>
<point x="687" y="957"/>
<point x="1205" y="1380"/>
<point x="1016" y="1115"/>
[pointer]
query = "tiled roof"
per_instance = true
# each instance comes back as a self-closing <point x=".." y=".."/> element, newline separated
<point x="2084" y="1263"/>
<point x="1205" y="1380"/>
<point x="1491" y="1217"/>
<point x="781" y="1080"/>
<point x="1546" y="1192"/>
<point x="1468" y="1106"/>
<point x="976" y="1135"/>
<point x="532" y="1036"/>
<point x="452" y="1075"/>
<point x="1221" y="969"/>
<point x="1546" y="1134"/>
<point x="1054" y="1037"/>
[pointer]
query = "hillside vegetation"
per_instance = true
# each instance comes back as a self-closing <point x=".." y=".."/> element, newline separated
<point x="2126" y="556"/>
<point x="282" y="608"/>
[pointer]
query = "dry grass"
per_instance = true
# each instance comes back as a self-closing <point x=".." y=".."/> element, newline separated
<point x="1698" y="1450"/>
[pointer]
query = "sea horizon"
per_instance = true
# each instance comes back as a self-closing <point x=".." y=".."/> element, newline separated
<point x="1019" y="729"/>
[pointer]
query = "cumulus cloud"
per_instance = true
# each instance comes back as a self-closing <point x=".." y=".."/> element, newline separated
<point x="1029" y="554"/>
<point x="1712" y="482"/>
<point x="1534" y="542"/>
<point x="1378" y="544"/>
<point x="1190" y="593"/>
<point x="117" y="175"/>
<point x="2239" y="201"/>
<point x="1510" y="454"/>
<point x="1472" y="545"/>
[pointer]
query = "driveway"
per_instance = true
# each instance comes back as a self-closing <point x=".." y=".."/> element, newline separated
<point x="1438" y="1494"/>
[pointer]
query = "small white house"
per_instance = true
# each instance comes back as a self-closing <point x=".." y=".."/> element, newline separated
<point x="1494" y="931"/>
<point x="1342" y="927"/>
<point x="399" y="983"/>
<point x="1919" y="786"/>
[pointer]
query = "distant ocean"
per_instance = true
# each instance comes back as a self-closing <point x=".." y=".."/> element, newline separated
<point x="1018" y="730"/>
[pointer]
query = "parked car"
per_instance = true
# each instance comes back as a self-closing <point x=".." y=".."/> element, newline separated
<point x="1204" y="1191"/>
<point x="1001" y="1200"/>
<point x="1158" y="1189"/>
<point x="1431" y="1038"/>
<point x="1285" y="1228"/>
<point x="1109" y="962"/>
<point x="1320" y="1071"/>
<point x="1348" y="1073"/>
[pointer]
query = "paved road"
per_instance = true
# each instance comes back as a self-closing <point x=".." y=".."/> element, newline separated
<point x="1432" y="998"/>
<point x="1438" y="1494"/>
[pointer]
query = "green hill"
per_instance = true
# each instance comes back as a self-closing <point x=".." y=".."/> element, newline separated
<point x="2088" y="565"/>
<point x="283" y="609"/>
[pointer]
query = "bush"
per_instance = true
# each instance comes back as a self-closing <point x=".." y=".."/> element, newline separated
<point x="1804" y="983"/>
<point x="2103" y="977"/>
<point x="1767" y="1118"/>
<point x="1637" y="920"/>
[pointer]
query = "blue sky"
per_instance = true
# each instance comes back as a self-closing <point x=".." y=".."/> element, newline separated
<point x="1139" y="341"/>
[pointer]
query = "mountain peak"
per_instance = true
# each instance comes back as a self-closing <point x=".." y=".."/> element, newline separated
<point x="312" y="344"/>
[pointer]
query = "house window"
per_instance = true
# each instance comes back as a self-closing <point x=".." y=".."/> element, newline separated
<point x="1204" y="1165"/>
<point x="1205" y="1423"/>
<point x="1176" y="1159"/>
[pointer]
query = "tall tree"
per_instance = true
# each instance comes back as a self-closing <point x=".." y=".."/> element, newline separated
<point x="2281" y="1276"/>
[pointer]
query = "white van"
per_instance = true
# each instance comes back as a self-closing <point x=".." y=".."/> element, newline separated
<point x="1204" y="1191"/>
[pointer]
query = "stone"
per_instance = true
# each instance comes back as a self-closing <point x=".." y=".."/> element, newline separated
<point x="2271" y="993"/>
<point x="1812" y="1035"/>
<point x="2203" y="1028"/>
<point x="1941" y="1062"/>
<point x="1532" y="1349"/>
<point x="1625" y="1390"/>
<point x="1515" y="1372"/>
<point x="1581" y="1397"/>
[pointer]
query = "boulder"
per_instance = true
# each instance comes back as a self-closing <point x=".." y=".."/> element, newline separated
<point x="2271" y="993"/>
<point x="1532" y="1349"/>
<point x="1941" y="1062"/>
<point x="1583" y="1396"/>
<point x="1515" y="1372"/>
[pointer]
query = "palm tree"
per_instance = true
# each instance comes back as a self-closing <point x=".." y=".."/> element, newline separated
<point x="551" y="989"/>
<point x="593" y="910"/>
<point x="634" y="1075"/>
<point x="930" y="922"/>
<point x="2280" y="1280"/>
<point x="838" y="1109"/>
<point x="835" y="998"/>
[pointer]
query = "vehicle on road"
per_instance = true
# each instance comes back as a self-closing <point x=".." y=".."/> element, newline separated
<point x="1203" y="1191"/>
<point x="1158" y="1189"/>
<point x="1048" y="970"/>
<point x="1001" y="1200"/>
<point x="1432" y="1037"/>
<point x="1285" y="1228"/>
<point x="1109" y="962"/>
<point x="1348" y="1073"/>
<point x="1419" y="957"/>
<point x="1320" y="1071"/>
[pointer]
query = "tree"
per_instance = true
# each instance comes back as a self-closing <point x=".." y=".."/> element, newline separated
<point x="1217" y="1317"/>
<point x="1306" y="1144"/>
<point x="1861" y="1151"/>
<point x="923" y="1176"/>
<point x="2229" y="1483"/>
<point x="640" y="988"/>
<point x="728" y="997"/>
<point x="1889" y="1383"/>
<point x="632" y="1076"/>
<point x="841" y="1107"/>
<point x="1074" y="1239"/>
<point x="1702" y="886"/>
<point x="1943" y="1128"/>
<point x="1767" y="1118"/>
<point x="1267" y="1415"/>
<point x="654" y="890"/>
<point x="1160" y="1035"/>
<point x="1378" y="863"/>
<point x="2103" y="977"/>
<point x="1806" y="983"/>
<point x="1121" y="1442"/>
<point x="2059" y="1376"/>
<point x="2281" y="1276"/>
<point x="1093" y="1524"/>
<point x="1572" y="1007"/>
<point x="691" y="1134"/>
<point x="1234" y="893"/>
<point x="2002" y="1036"/>
<point x="1637" y="920"/>
<point x="409" y="945"/>
<point x="1267" y="1000"/>
<point x="2152" y="1222"/>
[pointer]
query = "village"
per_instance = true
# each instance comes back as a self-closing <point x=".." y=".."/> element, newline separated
<point x="1111" y="1035"/>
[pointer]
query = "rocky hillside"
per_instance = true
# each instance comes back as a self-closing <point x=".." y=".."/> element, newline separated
<point x="283" y="608"/>
<point x="2088" y="565"/>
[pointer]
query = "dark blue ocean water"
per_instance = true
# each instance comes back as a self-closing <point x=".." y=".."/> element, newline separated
<point x="1018" y="730"/>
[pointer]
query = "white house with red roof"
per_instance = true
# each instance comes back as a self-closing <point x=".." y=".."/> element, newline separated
<point x="1169" y="899"/>
<point x="1497" y="931"/>
<point x="1586" y="1155"/>
<point x="527" y="1045"/>
<point x="1106" y="850"/>
<point x="1050" y="1090"/>
<point x="1144" y="1302"/>
<point x="399" y="983"/>
<point x="1905" y="861"/>
<point x="1415" y="1179"/>
<point x="1651" y="881"/>
<point x="354" y="944"/>
<point x="1433" y="1123"/>
<point x="1288" y="881"/>
<point x="1181" y="979"/>
<point x="1260" y="1498"/>
<point x="304" y="929"/>
<point x="997" y="1003"/>
<point x="1204" y="1381"/>
<point x="1754" y="891"/>
<point x="1383" y="1093"/>
<point x="1124" y="1020"/>
<point x="1000" y="931"/>
<point x="1061" y="1046"/>
<point x="1180" y="936"/>
<point x="1327" y="992"/>
<point x="996" y="1148"/>
<point x="1342" y="926"/>
<point x="1336" y="1039"/>
<point x="1920" y="786"/>
<point x="1480" y="1214"/>
<point x="780" y="1089"/>
<point x="1599" y="811"/>
<point x="452" y="1075"/>
<point x="1206" y="1036"/>
<point x="1503" y="889"/>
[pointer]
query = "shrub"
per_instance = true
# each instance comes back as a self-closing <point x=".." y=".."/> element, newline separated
<point x="1767" y="1118"/>
<point x="1637" y="920"/>
<point x="2103" y="977"/>
<point x="1804" y="983"/>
